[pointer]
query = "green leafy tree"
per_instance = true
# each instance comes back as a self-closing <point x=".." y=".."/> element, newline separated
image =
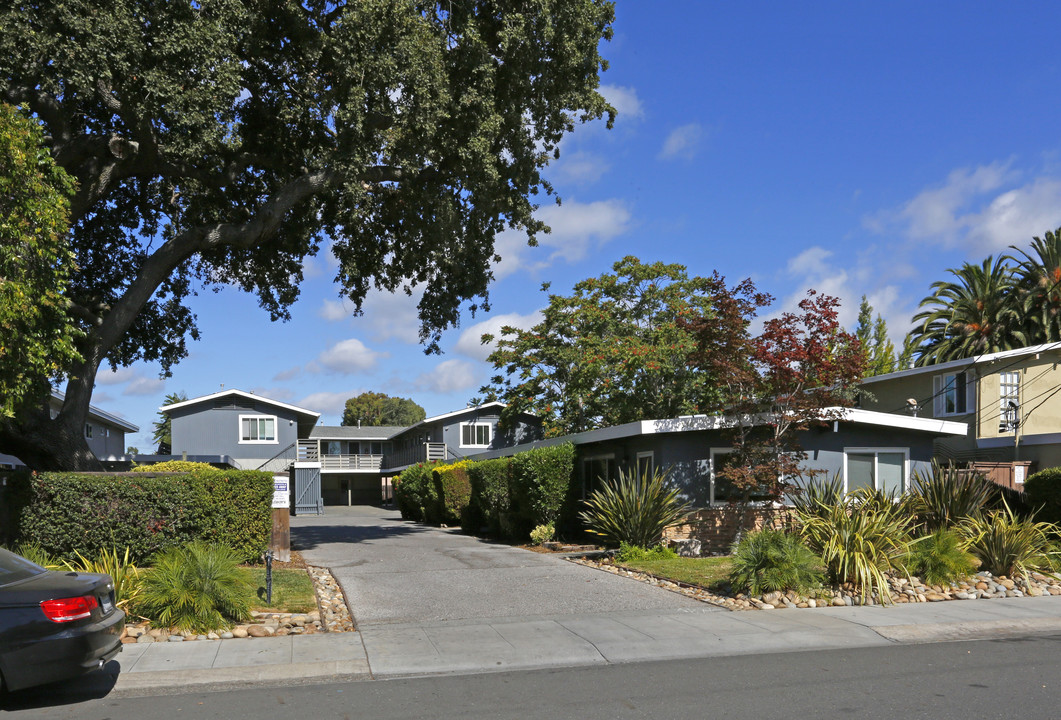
<point x="162" y="435"/>
<point x="375" y="409"/>
<point x="37" y="343"/>
<point x="973" y="315"/>
<point x="613" y="351"/>
<point x="223" y="142"/>
<point x="872" y="335"/>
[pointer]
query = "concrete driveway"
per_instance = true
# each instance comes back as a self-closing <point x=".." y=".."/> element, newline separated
<point x="396" y="572"/>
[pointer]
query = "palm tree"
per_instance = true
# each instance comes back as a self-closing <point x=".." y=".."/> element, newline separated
<point x="1038" y="280"/>
<point x="978" y="314"/>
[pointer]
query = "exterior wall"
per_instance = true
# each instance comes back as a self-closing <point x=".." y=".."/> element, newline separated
<point x="717" y="528"/>
<point x="1038" y="413"/>
<point x="107" y="440"/>
<point x="204" y="429"/>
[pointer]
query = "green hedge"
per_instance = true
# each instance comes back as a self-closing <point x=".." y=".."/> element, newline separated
<point x="414" y="491"/>
<point x="1043" y="492"/>
<point x="542" y="482"/>
<point x="491" y="498"/>
<point x="69" y="512"/>
<point x="453" y="491"/>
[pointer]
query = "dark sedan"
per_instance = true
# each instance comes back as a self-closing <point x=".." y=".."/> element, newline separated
<point x="54" y="625"/>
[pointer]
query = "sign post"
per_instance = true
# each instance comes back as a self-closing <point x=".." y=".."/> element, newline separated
<point x="280" y="545"/>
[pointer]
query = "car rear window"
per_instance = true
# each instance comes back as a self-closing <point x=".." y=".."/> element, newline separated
<point x="14" y="568"/>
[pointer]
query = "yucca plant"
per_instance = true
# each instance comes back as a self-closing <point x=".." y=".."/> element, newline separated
<point x="817" y="494"/>
<point x="633" y="510"/>
<point x="36" y="554"/>
<point x="771" y="560"/>
<point x="948" y="496"/>
<point x="860" y="539"/>
<point x="197" y="587"/>
<point x="1008" y="545"/>
<point x="941" y="558"/>
<point x="128" y="580"/>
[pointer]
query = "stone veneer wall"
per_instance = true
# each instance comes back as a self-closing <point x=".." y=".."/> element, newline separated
<point x="716" y="527"/>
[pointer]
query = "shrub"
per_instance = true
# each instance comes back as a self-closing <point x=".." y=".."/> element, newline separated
<point x="491" y="494"/>
<point x="128" y="580"/>
<point x="541" y="479"/>
<point x="634" y="510"/>
<point x="635" y="553"/>
<point x="818" y="495"/>
<point x="197" y="587"/>
<point x="773" y="560"/>
<point x="948" y="495"/>
<point x="859" y="539"/>
<point x="413" y="491"/>
<point x="181" y="466"/>
<point x="940" y="558"/>
<point x="235" y="509"/>
<point x="36" y="554"/>
<point x="1043" y="491"/>
<point x="453" y="491"/>
<point x="542" y="534"/>
<point x="1007" y="545"/>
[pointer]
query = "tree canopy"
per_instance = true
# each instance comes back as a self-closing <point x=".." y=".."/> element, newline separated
<point x="162" y="429"/>
<point x="878" y="349"/>
<point x="615" y="350"/>
<point x="223" y="143"/>
<point x="376" y="409"/>
<point x="35" y="264"/>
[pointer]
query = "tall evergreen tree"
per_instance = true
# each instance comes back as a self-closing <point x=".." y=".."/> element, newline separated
<point x="877" y="349"/>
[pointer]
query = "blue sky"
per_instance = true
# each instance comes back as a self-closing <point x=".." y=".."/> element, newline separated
<point x="854" y="148"/>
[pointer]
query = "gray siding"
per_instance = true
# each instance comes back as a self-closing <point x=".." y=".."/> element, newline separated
<point x="104" y="446"/>
<point x="204" y="429"/>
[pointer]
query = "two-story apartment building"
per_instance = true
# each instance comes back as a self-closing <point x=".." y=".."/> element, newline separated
<point x="1011" y="402"/>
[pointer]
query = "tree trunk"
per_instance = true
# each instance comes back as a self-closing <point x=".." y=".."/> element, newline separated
<point x="51" y="444"/>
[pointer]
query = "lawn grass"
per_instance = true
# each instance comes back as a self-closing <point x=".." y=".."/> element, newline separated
<point x="707" y="572"/>
<point x="292" y="590"/>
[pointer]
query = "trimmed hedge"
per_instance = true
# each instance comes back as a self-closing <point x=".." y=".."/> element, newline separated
<point x="68" y="512"/>
<point x="414" y="491"/>
<point x="1043" y="493"/>
<point x="542" y="485"/>
<point x="181" y="466"/>
<point x="491" y="496"/>
<point x="453" y="491"/>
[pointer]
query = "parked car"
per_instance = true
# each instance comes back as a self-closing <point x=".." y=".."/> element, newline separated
<point x="54" y="625"/>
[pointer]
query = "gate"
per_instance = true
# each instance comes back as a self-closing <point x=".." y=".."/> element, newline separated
<point x="308" y="499"/>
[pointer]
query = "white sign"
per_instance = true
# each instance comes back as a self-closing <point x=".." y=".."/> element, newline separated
<point x="1018" y="475"/>
<point x="281" y="495"/>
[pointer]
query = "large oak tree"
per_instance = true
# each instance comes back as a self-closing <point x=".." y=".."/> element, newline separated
<point x="221" y="142"/>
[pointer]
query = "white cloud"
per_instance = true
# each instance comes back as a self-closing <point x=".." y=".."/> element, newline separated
<point x="116" y="377"/>
<point x="682" y="142"/>
<point x="470" y="343"/>
<point x="335" y="310"/>
<point x="577" y="228"/>
<point x="392" y="316"/>
<point x="145" y="386"/>
<point x="447" y="377"/>
<point x="289" y="374"/>
<point x="1014" y="217"/>
<point x="276" y="393"/>
<point x="350" y="356"/>
<point x="624" y="99"/>
<point x="327" y="403"/>
<point x="935" y="212"/>
<point x="581" y="168"/>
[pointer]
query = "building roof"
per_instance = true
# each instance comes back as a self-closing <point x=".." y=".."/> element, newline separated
<point x="343" y="432"/>
<point x="307" y="414"/>
<point x="966" y="362"/>
<point x="97" y="414"/>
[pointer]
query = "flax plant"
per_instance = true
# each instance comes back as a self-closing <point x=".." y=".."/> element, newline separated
<point x="1008" y="545"/>
<point x="948" y="496"/>
<point x="634" y="510"/>
<point x="128" y="580"/>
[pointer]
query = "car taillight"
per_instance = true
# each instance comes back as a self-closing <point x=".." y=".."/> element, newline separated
<point x="69" y="609"/>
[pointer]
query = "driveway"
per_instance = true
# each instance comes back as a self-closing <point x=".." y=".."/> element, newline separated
<point x="394" y="571"/>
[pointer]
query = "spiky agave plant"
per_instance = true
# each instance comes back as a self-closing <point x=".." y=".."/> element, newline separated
<point x="197" y="587"/>
<point x="634" y="510"/>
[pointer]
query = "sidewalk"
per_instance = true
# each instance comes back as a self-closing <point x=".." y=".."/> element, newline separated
<point x="410" y="649"/>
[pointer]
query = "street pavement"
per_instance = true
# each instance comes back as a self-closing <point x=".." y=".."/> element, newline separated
<point x="429" y="601"/>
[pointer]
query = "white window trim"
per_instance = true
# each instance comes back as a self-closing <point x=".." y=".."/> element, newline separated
<point x="711" y="469"/>
<point x="876" y="451"/>
<point x="939" y="401"/>
<point x="489" y="432"/>
<point x="276" y="430"/>
<point x="651" y="462"/>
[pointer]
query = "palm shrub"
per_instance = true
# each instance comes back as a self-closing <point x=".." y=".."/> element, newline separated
<point x="941" y="558"/>
<point x="128" y="580"/>
<point x="197" y="587"/>
<point x="947" y="496"/>
<point x="633" y="510"/>
<point x="1008" y="545"/>
<point x="860" y="539"/>
<point x="773" y="560"/>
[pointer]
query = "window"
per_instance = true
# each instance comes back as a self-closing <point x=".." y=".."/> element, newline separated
<point x="1008" y="401"/>
<point x="104" y="431"/>
<point x="334" y="448"/>
<point x="475" y="434"/>
<point x="877" y="469"/>
<point x="952" y="394"/>
<point x="257" y="428"/>
<point x="88" y="430"/>
<point x="596" y="471"/>
<point x="722" y="489"/>
<point x="645" y="464"/>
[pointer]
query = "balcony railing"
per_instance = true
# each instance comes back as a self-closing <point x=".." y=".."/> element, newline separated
<point x="351" y="462"/>
<point x="426" y="452"/>
<point x="310" y="451"/>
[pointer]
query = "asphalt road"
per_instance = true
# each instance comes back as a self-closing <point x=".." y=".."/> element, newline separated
<point x="396" y="572"/>
<point x="983" y="679"/>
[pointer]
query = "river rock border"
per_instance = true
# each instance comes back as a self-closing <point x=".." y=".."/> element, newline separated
<point x="331" y="615"/>
<point x="982" y="586"/>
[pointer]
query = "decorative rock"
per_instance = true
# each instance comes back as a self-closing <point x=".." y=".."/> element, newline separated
<point x="240" y="632"/>
<point x="213" y="636"/>
<point x="257" y="631"/>
<point x="176" y="638"/>
<point x="145" y="639"/>
<point x="227" y="635"/>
